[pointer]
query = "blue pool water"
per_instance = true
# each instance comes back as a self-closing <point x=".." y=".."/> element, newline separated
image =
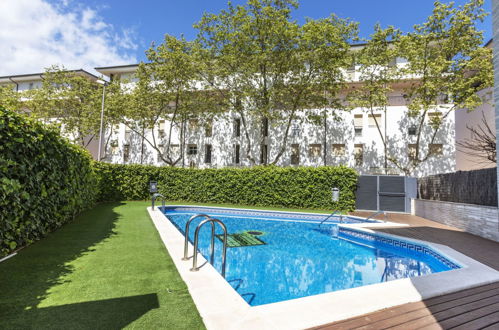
<point x="299" y="258"/>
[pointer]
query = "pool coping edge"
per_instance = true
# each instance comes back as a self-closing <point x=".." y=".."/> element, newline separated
<point x="221" y="307"/>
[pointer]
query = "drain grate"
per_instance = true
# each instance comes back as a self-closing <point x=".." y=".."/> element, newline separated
<point x="241" y="240"/>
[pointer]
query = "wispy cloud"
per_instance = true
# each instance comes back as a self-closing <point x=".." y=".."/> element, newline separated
<point x="35" y="34"/>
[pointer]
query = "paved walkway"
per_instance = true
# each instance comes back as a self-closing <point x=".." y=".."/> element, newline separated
<point x="476" y="308"/>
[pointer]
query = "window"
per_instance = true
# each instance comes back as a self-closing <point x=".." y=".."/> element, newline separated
<point x="193" y="124"/>
<point x="265" y="127"/>
<point x="31" y="85"/>
<point x="128" y="134"/>
<point x="263" y="154"/>
<point x="192" y="149"/>
<point x="314" y="150"/>
<point x="174" y="151"/>
<point x="338" y="150"/>
<point x="114" y="147"/>
<point x="434" y="118"/>
<point x="358" y="154"/>
<point x="237" y="154"/>
<point x="372" y="119"/>
<point x="358" y="124"/>
<point x="237" y="127"/>
<point x="436" y="149"/>
<point x="161" y="128"/>
<point x="295" y="131"/>
<point x="208" y="129"/>
<point x="295" y="154"/>
<point x="358" y="121"/>
<point x="207" y="153"/>
<point x="126" y="153"/>
<point x="411" y="151"/>
<point x="412" y="130"/>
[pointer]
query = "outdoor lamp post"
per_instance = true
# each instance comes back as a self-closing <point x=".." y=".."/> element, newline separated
<point x="335" y="194"/>
<point x="153" y="187"/>
<point x="103" y="83"/>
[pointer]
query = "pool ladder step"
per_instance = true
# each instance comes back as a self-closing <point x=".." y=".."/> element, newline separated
<point x="212" y="221"/>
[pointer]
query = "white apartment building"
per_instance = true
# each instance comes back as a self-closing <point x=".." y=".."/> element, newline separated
<point x="351" y="139"/>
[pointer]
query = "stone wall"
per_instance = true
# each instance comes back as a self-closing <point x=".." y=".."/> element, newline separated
<point x="475" y="219"/>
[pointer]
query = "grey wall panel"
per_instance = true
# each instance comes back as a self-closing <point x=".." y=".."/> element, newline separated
<point x="366" y="196"/>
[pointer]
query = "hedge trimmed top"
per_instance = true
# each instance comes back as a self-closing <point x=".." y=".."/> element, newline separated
<point x="301" y="187"/>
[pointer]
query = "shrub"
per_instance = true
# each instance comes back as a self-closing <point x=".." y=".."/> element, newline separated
<point x="301" y="187"/>
<point x="44" y="181"/>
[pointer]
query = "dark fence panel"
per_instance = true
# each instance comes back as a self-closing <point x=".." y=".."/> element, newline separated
<point x="470" y="187"/>
<point x="385" y="193"/>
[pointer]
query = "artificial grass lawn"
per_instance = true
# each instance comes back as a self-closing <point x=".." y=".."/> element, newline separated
<point x="108" y="269"/>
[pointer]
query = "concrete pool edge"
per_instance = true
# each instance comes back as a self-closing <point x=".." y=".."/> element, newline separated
<point x="221" y="307"/>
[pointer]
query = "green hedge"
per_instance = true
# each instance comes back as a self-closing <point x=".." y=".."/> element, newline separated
<point x="302" y="187"/>
<point x="44" y="181"/>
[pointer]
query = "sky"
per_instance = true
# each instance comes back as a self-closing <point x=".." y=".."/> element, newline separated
<point x="35" y="34"/>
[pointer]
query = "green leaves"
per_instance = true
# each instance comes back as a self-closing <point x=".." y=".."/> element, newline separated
<point x="44" y="181"/>
<point x="269" y="67"/>
<point x="303" y="187"/>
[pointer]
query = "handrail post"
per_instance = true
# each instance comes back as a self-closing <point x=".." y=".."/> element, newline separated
<point x="186" y="233"/>
<point x="332" y="214"/>
<point x="196" y="241"/>
<point x="155" y="196"/>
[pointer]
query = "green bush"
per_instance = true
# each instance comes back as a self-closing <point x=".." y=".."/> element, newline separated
<point x="302" y="187"/>
<point x="44" y="181"/>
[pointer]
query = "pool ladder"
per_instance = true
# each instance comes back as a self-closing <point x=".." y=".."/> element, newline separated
<point x="156" y="196"/>
<point x="212" y="221"/>
<point x="331" y="215"/>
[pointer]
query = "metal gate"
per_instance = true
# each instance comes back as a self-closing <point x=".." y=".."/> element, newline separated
<point x="385" y="193"/>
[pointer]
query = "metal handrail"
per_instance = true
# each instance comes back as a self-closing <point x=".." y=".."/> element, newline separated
<point x="332" y="214"/>
<point x="186" y="232"/>
<point x="155" y="196"/>
<point x="376" y="213"/>
<point x="196" y="240"/>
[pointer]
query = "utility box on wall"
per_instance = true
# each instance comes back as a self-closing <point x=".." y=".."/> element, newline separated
<point x="385" y="193"/>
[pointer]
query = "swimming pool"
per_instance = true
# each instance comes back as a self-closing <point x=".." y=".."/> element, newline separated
<point x="282" y="256"/>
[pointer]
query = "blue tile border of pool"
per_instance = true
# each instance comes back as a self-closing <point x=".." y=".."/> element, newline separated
<point x="316" y="217"/>
<point x="260" y="213"/>
<point x="400" y="244"/>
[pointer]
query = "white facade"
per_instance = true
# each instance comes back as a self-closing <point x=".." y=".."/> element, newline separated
<point x="352" y="139"/>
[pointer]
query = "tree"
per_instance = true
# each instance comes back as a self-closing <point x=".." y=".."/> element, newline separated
<point x="447" y="66"/>
<point x="10" y="98"/>
<point x="267" y="67"/>
<point x="482" y="144"/>
<point x="70" y="100"/>
<point x="378" y="72"/>
<point x="166" y="90"/>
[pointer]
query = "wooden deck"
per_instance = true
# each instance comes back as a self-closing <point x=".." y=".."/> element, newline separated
<point x="475" y="308"/>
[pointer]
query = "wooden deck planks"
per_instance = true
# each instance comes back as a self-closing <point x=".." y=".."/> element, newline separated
<point x="473" y="308"/>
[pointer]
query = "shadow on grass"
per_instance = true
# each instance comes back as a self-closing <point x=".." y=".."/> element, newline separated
<point x="113" y="313"/>
<point x="26" y="279"/>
